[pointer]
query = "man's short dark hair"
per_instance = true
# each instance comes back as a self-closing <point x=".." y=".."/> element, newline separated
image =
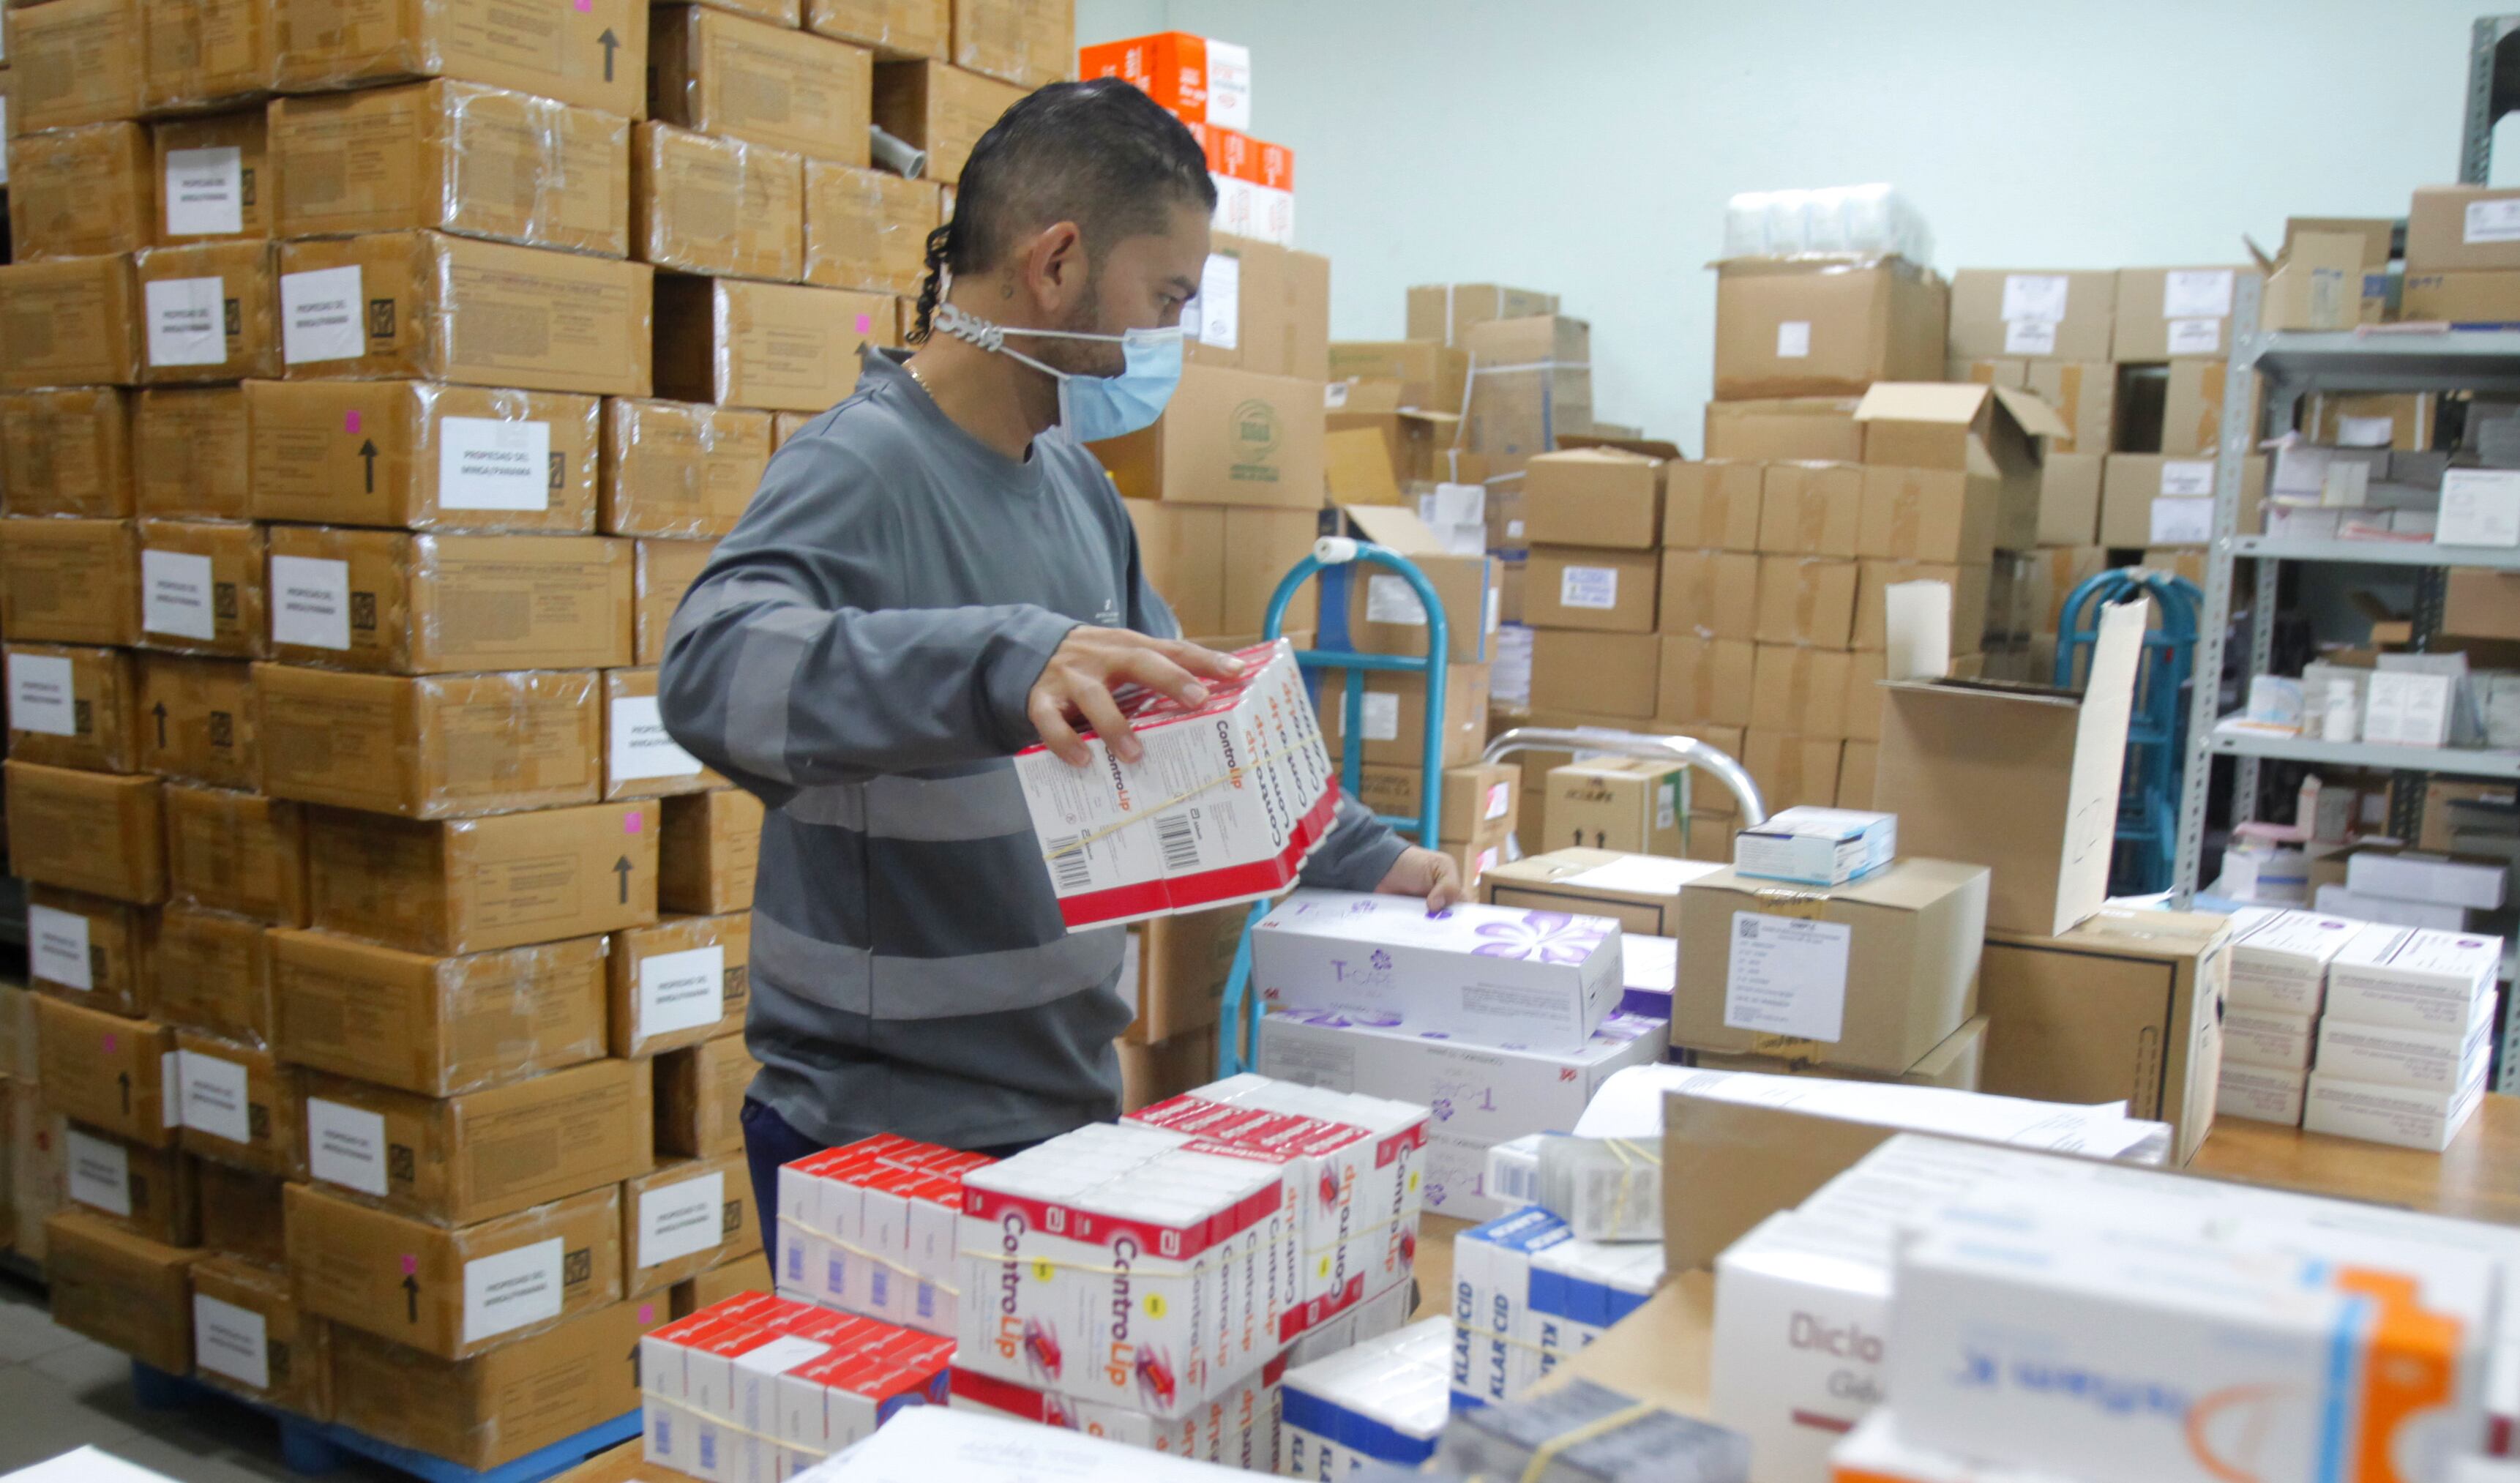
<point x="1099" y="153"/>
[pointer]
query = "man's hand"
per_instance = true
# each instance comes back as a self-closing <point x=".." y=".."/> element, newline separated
<point x="1421" y="872"/>
<point x="1090" y="663"/>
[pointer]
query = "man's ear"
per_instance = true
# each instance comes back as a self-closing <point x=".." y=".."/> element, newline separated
<point x="1056" y="270"/>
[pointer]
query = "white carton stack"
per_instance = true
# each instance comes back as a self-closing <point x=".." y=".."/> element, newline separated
<point x="2407" y="1038"/>
<point x="1526" y="1293"/>
<point x="2278" y="981"/>
<point x="1381" y="1400"/>
<point x="871" y="1227"/>
<point x="2416" y="890"/>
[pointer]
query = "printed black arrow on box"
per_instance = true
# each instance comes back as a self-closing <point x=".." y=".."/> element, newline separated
<point x="621" y="867"/>
<point x="368" y="453"/>
<point x="160" y="711"/>
<point x="411" y="1297"/>
<point x="610" y="42"/>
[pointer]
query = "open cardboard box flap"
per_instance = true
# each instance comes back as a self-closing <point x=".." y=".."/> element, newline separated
<point x="1396" y="527"/>
<point x="1729" y="1165"/>
<point x="1650" y="447"/>
<point x="1663" y="1353"/>
<point x="1958" y="404"/>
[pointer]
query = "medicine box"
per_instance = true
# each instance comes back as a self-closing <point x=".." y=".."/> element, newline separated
<point x="2260" y="1094"/>
<point x="2269" y="1038"/>
<point x="2279" y="959"/>
<point x="2419" y="875"/>
<point x="2419" y="980"/>
<point x="2427" y="1061"/>
<point x="1816" y="846"/>
<point x="2385" y="1114"/>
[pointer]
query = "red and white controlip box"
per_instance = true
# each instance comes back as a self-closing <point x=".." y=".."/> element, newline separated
<point x="870" y="1228"/>
<point x="1224" y="807"/>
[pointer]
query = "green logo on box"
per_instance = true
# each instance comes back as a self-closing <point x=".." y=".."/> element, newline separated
<point x="1252" y="434"/>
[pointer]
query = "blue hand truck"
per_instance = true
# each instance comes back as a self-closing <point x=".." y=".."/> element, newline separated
<point x="2148" y="792"/>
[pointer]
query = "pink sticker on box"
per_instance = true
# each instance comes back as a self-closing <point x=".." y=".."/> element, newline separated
<point x="633" y="822"/>
<point x="350" y="420"/>
<point x="585" y="7"/>
<point x="113" y="1042"/>
<point x="865" y="324"/>
<point x="646" y="1311"/>
<point x="410" y="1264"/>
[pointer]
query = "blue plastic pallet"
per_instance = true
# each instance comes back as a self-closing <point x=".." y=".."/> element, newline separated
<point x="314" y="1448"/>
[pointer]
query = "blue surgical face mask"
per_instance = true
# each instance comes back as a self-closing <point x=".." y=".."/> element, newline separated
<point x="1091" y="408"/>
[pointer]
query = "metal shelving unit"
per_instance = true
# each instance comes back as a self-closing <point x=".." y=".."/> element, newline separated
<point x="2292" y="364"/>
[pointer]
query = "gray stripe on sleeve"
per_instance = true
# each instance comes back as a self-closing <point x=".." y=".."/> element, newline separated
<point x="982" y="805"/>
<point x="765" y="679"/>
<point x="855" y="982"/>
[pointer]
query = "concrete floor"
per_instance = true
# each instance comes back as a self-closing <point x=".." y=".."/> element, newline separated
<point x="59" y="1391"/>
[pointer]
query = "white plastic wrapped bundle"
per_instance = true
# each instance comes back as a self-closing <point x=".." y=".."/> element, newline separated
<point x="1864" y="221"/>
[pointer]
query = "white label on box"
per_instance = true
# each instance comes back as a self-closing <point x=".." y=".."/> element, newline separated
<point x="1592" y="587"/>
<point x="310" y="602"/>
<point x="1229" y="86"/>
<point x="2366" y="432"/>
<point x="1788" y="977"/>
<point x="1217" y="310"/>
<point x="2182" y="521"/>
<point x="1334" y="395"/>
<point x="681" y="991"/>
<point x="2493" y="220"/>
<point x="1666" y="803"/>
<point x="1793" y="340"/>
<point x="1391" y="600"/>
<point x="2479" y="507"/>
<point x="58" y="943"/>
<point x="1500" y="799"/>
<point x="322" y="316"/>
<point x="679" y="1219"/>
<point x="2180" y="476"/>
<point x="186" y="321"/>
<point x="781" y="1355"/>
<point x="175" y="595"/>
<point x="491" y="463"/>
<point x="2037" y="297"/>
<point x="170" y="1090"/>
<point x="2197" y="293"/>
<point x="2029" y="336"/>
<point x="345" y="1146"/>
<point x="1643" y="874"/>
<point x="99" y="1171"/>
<point x="640" y="746"/>
<point x="214" y="1096"/>
<point x="229" y="1340"/>
<point x="1382" y="716"/>
<point x="42" y="696"/>
<point x="2195" y="337"/>
<point x="206" y="191"/>
<point x="1513" y="531"/>
<point x="511" y="1290"/>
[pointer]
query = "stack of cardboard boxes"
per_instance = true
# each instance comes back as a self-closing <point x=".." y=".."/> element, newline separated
<point x="393" y="988"/>
<point x="32" y="1135"/>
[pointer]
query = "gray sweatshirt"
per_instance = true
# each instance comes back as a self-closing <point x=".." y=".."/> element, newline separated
<point x="858" y="654"/>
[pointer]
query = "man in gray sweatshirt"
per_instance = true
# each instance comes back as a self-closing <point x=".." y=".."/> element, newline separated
<point x="935" y="576"/>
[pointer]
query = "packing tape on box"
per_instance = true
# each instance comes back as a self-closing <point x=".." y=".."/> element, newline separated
<point x="1548" y="1453"/>
<point x="828" y="1240"/>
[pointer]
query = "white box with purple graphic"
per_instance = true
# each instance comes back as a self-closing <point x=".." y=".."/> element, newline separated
<point x="1504" y="976"/>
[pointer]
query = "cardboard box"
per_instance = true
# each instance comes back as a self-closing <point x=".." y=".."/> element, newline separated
<point x="149" y="1192"/>
<point x="2192" y="415"/>
<point x="1629" y="805"/>
<point x="1857" y="777"/>
<point x="1714" y="505"/>
<point x="678" y="469"/>
<point x="2462" y="228"/>
<point x="707" y="852"/>
<point x="105" y="1071"/>
<point x="2175" y="313"/>
<point x="2084" y="395"/>
<point x="725" y="74"/>
<point x="438" y="1026"/>
<point x="1261" y="308"/>
<point x="1933" y="515"/>
<point x="1794" y="688"/>
<point x="72" y="321"/>
<point x="91" y="949"/>
<point x="85" y="192"/>
<point x="236" y="852"/>
<point x="119" y="1289"/>
<point x="1428" y="373"/>
<point x="2146" y="500"/>
<point x="939" y="109"/>
<point x="592" y="56"/>
<point x="1027" y="42"/>
<point x="1174" y="971"/>
<point x="438" y="747"/>
<point x="1710" y="594"/>
<point x="192" y="457"/>
<point x="2053" y="313"/>
<point x="1394" y="717"/>
<point x="87" y="831"/>
<point x="1817" y="427"/>
<point x="1792" y="769"/>
<point x="74" y="707"/>
<point x="1446" y="313"/>
<point x="2126" y="1006"/>
<point x="1954" y="1065"/>
<point x="1806" y="600"/>
<point x="241" y="1215"/>
<point x="211" y="973"/>
<point x="1182" y="552"/>
<point x="1597" y="497"/>
<point x="640" y="760"/>
<point x="450" y="308"/>
<point x="205" y="52"/>
<point x="744" y="1274"/>
<point x="423" y="456"/>
<point x="894" y="28"/>
<point x="2069" y="497"/>
<point x="210" y="722"/>
<point x="1609" y="674"/>
<point x="685" y="980"/>
<point x="699" y="1098"/>
<point x="1810" y="509"/>
<point x="757" y="345"/>
<point x="1640" y="892"/>
<point x="2466" y="300"/>
<point x="250" y="1337"/>
<point x="660" y="573"/>
<point x="201" y="587"/>
<point x="405" y="604"/>
<point x="214" y="177"/>
<point x="580" y="1373"/>
<point x="453" y="156"/>
<point x="1976" y="433"/>
<point x="1197" y="80"/>
<point x="479" y="884"/>
<point x="1480" y="801"/>
<point x="1591" y="588"/>
<point x="78" y="62"/>
<point x="1384" y="614"/>
<point x="1161" y="1071"/>
<point x="866" y="229"/>
<point x="455" y="1292"/>
<point x="70" y="581"/>
<point x="1916" y="927"/>
<point x="1706" y="680"/>
<point x="683" y="1220"/>
<point x="1794" y="329"/>
<point x="701" y="203"/>
<point x="2317" y="283"/>
<point x="66" y="452"/>
<point x="1228" y="437"/>
<point x="485" y="1153"/>
<point x="1370" y="457"/>
<point x="2020" y="778"/>
<point x="1530" y="385"/>
<point x="240" y="1105"/>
